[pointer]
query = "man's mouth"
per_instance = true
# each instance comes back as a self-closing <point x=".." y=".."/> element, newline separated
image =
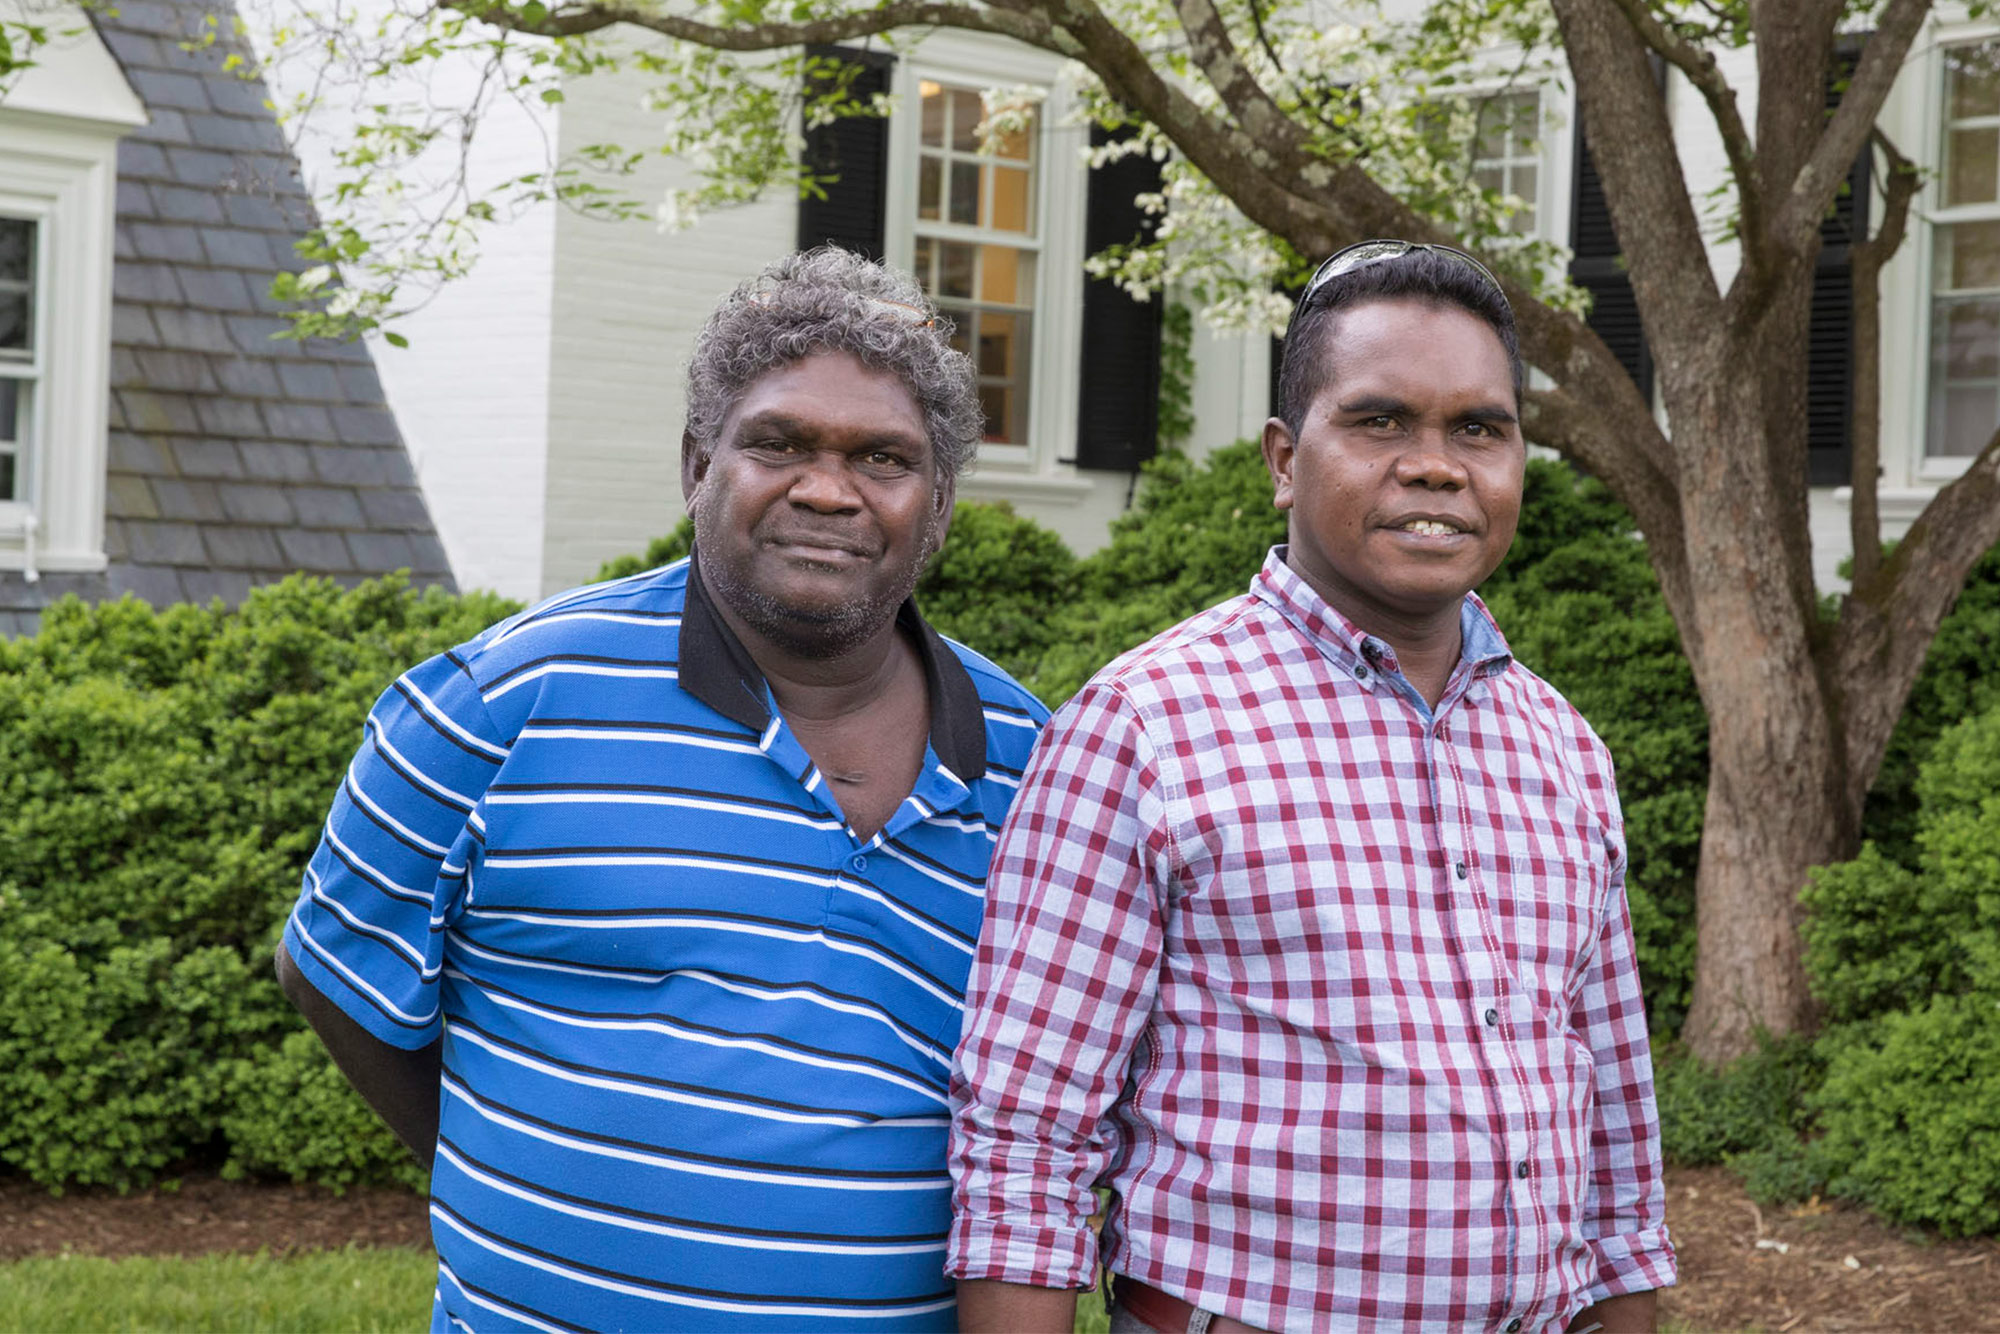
<point x="1430" y="527"/>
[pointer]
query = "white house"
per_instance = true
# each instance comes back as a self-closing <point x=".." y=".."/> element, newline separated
<point x="541" y="397"/>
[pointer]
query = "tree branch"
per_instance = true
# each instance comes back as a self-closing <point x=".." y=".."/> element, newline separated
<point x="1701" y="70"/>
<point x="1864" y="519"/>
<point x="577" y="20"/>
<point x="1557" y="419"/>
<point x="1796" y="221"/>
<point x="1886" y="626"/>
<point x="1632" y="142"/>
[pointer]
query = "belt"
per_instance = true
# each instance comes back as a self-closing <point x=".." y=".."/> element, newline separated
<point x="1169" y="1314"/>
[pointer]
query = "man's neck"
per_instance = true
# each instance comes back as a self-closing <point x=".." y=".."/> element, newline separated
<point x="814" y="688"/>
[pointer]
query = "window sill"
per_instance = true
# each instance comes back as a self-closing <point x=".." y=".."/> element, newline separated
<point x="991" y="484"/>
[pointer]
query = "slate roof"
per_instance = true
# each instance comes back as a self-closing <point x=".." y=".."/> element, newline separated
<point x="233" y="459"/>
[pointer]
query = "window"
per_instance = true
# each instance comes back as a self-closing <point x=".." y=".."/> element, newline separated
<point x="976" y="247"/>
<point x="59" y="128"/>
<point x="1507" y="152"/>
<point x="20" y="361"/>
<point x="1965" y="270"/>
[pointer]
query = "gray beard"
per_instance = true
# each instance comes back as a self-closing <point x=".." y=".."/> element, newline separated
<point x="814" y="636"/>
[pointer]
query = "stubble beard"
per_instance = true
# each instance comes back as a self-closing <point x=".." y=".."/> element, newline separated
<point x="817" y="634"/>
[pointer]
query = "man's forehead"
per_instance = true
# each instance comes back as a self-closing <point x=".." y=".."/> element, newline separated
<point x="1413" y="344"/>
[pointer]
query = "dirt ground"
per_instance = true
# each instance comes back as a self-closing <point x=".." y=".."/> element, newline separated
<point x="1742" y="1267"/>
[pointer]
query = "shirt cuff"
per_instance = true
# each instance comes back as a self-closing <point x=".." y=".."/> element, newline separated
<point x="1633" y="1262"/>
<point x="1037" y="1255"/>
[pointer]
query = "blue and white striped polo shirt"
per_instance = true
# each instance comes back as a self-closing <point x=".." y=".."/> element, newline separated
<point x="696" y="1031"/>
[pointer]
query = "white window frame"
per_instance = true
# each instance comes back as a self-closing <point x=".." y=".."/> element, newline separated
<point x="1055" y="347"/>
<point x="1916" y="112"/>
<point x="33" y="372"/>
<point x="59" y="130"/>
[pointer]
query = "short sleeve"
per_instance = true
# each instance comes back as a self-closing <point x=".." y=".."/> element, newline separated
<point x="368" y="929"/>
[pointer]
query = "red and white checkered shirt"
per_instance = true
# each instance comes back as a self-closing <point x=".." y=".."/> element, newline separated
<point x="1338" y="996"/>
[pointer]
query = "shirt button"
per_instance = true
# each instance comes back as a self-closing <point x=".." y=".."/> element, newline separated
<point x="1459" y="868"/>
<point x="1492" y="1018"/>
<point x="858" y="862"/>
<point x="1523" y="1168"/>
<point x="1514" y="1325"/>
<point x="1361" y="673"/>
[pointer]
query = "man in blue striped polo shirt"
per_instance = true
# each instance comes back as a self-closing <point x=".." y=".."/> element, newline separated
<point x="644" y="918"/>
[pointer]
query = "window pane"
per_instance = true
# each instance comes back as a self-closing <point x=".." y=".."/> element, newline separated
<point x="997" y="345"/>
<point x="1975" y="81"/>
<point x="1971" y="334"/>
<point x="1012" y="145"/>
<point x="7" y="478"/>
<point x="17" y="250"/>
<point x="12" y="419"/>
<point x="966" y="113"/>
<point x="997" y="402"/>
<point x="923" y="266"/>
<point x="1000" y="275"/>
<point x="1968" y="256"/>
<point x="1971" y="166"/>
<point x="14" y="331"/>
<point x="1490" y="178"/>
<point x="930" y="180"/>
<point x="1008" y="192"/>
<point x="1970" y="414"/>
<point x="933" y="97"/>
<point x="955" y="264"/>
<point x="965" y="192"/>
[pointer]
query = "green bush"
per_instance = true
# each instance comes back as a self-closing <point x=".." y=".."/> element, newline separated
<point x="1957" y="682"/>
<point x="1911" y="1111"/>
<point x="1882" y="936"/>
<point x="162" y="779"/>
<point x="1711" y="1116"/>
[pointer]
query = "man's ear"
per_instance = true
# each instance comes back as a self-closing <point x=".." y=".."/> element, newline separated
<point x="694" y="466"/>
<point x="1280" y="449"/>
<point x="942" y="501"/>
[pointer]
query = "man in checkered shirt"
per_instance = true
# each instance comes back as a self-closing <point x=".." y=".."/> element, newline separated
<point x="1307" y="935"/>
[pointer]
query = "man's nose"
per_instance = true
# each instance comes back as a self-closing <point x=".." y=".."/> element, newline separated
<point x="822" y="483"/>
<point x="1430" y="462"/>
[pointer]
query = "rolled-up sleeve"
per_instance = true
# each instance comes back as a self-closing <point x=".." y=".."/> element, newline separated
<point x="368" y="928"/>
<point x="1625" y="1208"/>
<point x="1066" y="974"/>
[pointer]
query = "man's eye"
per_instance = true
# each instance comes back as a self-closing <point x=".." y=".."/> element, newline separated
<point x="883" y="459"/>
<point x="1379" y="422"/>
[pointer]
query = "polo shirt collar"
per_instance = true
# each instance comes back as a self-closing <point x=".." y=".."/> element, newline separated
<point x="717" y="670"/>
<point x="1482" y="646"/>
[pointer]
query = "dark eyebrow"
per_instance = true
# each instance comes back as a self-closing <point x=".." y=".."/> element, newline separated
<point x="799" y="428"/>
<point x="1375" y="405"/>
<point x="1489" y="415"/>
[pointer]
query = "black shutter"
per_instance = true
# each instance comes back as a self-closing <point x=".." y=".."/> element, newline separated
<point x="1830" y="340"/>
<point x="856" y="150"/>
<point x="1598" y="270"/>
<point x="1118" y="417"/>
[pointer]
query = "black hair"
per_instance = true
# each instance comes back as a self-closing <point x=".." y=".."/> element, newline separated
<point x="1419" y="275"/>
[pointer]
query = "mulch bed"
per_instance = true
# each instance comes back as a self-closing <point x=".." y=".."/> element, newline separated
<point x="1743" y="1267"/>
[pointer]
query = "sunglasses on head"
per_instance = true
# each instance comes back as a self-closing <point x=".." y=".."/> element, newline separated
<point x="1363" y="253"/>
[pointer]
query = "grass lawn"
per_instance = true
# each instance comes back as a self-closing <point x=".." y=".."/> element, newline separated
<point x="355" y="1291"/>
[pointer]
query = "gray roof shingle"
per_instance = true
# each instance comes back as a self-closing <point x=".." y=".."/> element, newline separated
<point x="234" y="458"/>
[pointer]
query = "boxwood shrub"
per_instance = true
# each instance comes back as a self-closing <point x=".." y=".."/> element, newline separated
<point x="162" y="778"/>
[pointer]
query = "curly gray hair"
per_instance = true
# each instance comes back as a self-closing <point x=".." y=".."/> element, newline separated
<point x="832" y="300"/>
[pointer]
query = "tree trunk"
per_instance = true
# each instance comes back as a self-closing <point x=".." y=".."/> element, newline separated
<point x="1771" y="815"/>
<point x="1777" y="792"/>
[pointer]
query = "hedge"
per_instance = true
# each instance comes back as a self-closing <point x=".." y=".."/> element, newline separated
<point x="163" y="776"/>
<point x="162" y="779"/>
